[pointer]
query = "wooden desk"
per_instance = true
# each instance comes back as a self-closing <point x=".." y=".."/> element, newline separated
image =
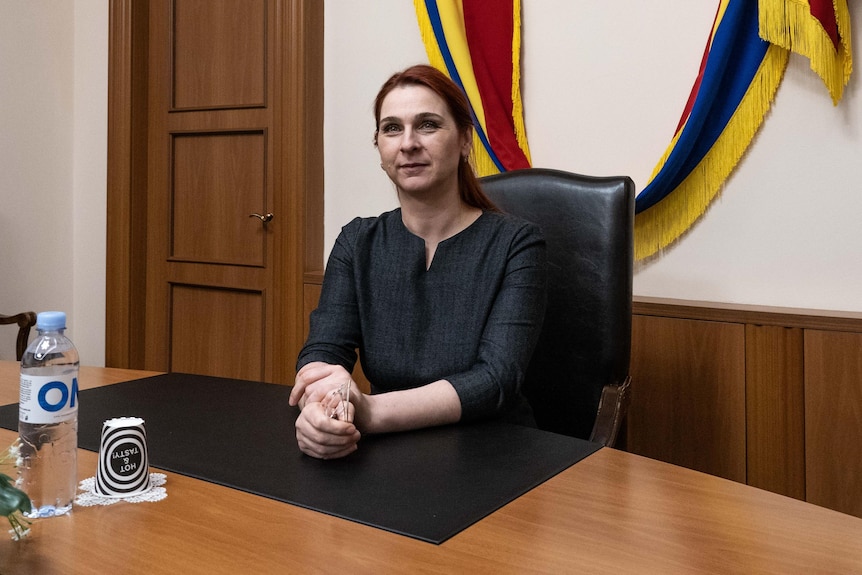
<point x="611" y="513"/>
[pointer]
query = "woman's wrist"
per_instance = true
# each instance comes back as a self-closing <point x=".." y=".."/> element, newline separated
<point x="364" y="416"/>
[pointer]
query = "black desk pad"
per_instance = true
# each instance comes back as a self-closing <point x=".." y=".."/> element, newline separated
<point x="427" y="484"/>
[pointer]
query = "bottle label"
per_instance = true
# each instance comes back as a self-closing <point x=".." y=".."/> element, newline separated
<point x="48" y="398"/>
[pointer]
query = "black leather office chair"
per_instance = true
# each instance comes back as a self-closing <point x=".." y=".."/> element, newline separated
<point x="578" y="380"/>
<point x="25" y="321"/>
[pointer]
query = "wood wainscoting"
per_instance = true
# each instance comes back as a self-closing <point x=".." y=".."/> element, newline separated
<point x="771" y="397"/>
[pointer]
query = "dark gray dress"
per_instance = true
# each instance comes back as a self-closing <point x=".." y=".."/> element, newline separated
<point x="472" y="318"/>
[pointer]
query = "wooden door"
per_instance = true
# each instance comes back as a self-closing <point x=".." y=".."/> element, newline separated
<point x="233" y="208"/>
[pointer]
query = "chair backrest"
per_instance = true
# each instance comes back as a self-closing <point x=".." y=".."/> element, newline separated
<point x="24" y="320"/>
<point x="585" y="344"/>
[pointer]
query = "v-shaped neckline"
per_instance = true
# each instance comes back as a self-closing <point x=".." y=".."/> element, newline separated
<point x="418" y="239"/>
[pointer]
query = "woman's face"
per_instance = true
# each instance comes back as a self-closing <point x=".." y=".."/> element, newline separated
<point x="419" y="143"/>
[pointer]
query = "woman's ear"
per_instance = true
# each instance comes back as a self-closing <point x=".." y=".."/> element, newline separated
<point x="467" y="144"/>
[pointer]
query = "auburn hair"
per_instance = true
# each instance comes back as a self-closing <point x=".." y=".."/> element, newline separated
<point x="423" y="75"/>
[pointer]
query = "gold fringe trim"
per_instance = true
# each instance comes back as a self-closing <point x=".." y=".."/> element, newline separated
<point x="435" y="58"/>
<point x="663" y="159"/>
<point x="517" y="104"/>
<point x="664" y="223"/>
<point x="789" y="24"/>
<point x="481" y="160"/>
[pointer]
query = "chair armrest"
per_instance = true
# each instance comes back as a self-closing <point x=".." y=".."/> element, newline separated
<point x="613" y="407"/>
<point x="25" y="321"/>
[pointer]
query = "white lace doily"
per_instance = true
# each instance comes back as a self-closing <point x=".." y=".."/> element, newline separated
<point x="88" y="496"/>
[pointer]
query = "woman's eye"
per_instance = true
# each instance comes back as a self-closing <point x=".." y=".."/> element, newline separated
<point x="428" y="126"/>
<point x="390" y="128"/>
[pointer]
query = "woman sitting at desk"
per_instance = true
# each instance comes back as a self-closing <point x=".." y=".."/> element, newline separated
<point x="443" y="297"/>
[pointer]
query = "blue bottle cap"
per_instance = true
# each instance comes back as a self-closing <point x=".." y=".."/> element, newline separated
<point x="51" y="320"/>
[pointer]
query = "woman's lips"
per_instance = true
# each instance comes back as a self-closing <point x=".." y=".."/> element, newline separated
<point x="412" y="167"/>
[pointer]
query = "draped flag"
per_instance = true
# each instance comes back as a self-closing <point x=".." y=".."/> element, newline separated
<point x="739" y="75"/>
<point x="478" y="44"/>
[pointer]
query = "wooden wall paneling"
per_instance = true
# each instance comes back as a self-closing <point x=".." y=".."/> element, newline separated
<point x="688" y="395"/>
<point x="827" y="320"/>
<point x="802" y="371"/>
<point x="833" y="420"/>
<point x="775" y="417"/>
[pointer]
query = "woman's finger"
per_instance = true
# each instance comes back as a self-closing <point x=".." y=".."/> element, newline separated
<point x="314" y="380"/>
<point x="323" y="437"/>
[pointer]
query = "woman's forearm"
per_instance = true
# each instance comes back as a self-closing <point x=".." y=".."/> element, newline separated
<point x="434" y="404"/>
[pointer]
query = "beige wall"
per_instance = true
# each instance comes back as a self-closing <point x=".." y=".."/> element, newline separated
<point x="36" y="157"/>
<point x="603" y="90"/>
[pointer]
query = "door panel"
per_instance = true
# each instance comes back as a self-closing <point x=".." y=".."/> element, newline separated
<point x="220" y="53"/>
<point x="198" y="317"/>
<point x="218" y="181"/>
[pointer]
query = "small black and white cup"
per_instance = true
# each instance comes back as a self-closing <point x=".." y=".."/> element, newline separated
<point x="124" y="468"/>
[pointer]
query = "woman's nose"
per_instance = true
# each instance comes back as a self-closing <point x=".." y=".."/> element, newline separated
<point x="409" y="141"/>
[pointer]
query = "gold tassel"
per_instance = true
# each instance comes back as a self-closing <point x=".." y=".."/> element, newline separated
<point x="789" y="24"/>
<point x="482" y="162"/>
<point x="435" y="58"/>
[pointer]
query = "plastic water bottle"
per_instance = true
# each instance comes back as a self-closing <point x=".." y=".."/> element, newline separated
<point x="48" y="418"/>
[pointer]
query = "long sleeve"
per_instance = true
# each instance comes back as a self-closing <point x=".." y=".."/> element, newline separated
<point x="335" y="332"/>
<point x="493" y="383"/>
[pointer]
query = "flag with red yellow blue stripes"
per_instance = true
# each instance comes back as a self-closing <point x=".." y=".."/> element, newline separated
<point x="478" y="44"/>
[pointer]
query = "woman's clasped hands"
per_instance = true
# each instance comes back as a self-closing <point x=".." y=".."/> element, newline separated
<point x="329" y="400"/>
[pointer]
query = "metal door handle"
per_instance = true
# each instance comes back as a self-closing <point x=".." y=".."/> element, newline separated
<point x="264" y="219"/>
